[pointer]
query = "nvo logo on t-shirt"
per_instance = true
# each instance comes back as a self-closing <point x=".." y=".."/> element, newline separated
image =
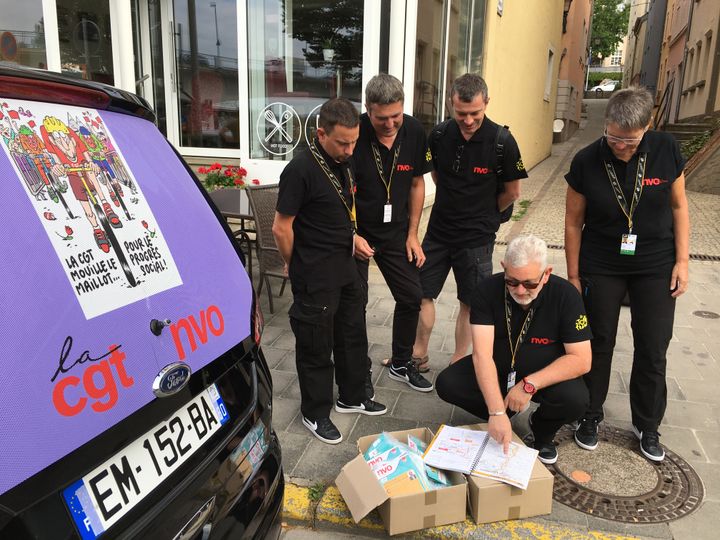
<point x="481" y="170"/>
<point x="541" y="341"/>
<point x="404" y="168"/>
<point x="653" y="181"/>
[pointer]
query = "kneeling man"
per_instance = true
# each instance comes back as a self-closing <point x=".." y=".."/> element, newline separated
<point x="531" y="341"/>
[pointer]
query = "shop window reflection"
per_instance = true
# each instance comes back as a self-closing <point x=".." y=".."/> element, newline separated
<point x="206" y="56"/>
<point x="22" y="34"/>
<point x="300" y="55"/>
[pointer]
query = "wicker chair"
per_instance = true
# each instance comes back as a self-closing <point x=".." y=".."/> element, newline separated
<point x="262" y="202"/>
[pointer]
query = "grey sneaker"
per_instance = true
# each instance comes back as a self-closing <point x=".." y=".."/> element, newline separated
<point x="586" y="435"/>
<point x="410" y="375"/>
<point x="323" y="429"/>
<point x="369" y="407"/>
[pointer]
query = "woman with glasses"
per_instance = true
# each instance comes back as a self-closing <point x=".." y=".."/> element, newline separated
<point x="627" y="231"/>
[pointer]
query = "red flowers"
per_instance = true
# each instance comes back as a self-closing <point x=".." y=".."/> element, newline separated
<point x="68" y="230"/>
<point x="218" y="176"/>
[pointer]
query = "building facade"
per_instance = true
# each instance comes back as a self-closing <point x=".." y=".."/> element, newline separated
<point x="233" y="79"/>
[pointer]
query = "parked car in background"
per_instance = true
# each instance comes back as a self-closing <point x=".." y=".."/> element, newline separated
<point x="136" y="398"/>
<point x="605" y="86"/>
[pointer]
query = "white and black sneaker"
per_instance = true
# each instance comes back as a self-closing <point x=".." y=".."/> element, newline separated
<point x="650" y="444"/>
<point x="369" y="407"/>
<point x="547" y="452"/>
<point x="410" y="375"/>
<point x="586" y="434"/>
<point x="323" y="429"/>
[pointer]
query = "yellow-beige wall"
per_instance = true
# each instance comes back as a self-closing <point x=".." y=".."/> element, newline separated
<point x="516" y="70"/>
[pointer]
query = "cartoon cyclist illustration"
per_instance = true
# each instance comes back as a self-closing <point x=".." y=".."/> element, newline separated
<point x="73" y="160"/>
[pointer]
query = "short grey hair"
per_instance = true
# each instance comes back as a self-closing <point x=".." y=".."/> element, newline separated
<point x="383" y="89"/>
<point x="467" y="86"/>
<point x="525" y="249"/>
<point x="338" y="111"/>
<point x="630" y="108"/>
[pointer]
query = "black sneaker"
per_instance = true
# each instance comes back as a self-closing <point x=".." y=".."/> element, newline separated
<point x="369" y="390"/>
<point x="586" y="435"/>
<point x="411" y="376"/>
<point x="650" y="444"/>
<point x="369" y="407"/>
<point x="323" y="429"/>
<point x="547" y="452"/>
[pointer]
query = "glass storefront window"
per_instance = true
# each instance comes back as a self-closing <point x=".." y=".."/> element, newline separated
<point x="300" y="54"/>
<point x="85" y="39"/>
<point x="22" y="33"/>
<point x="464" y="22"/>
<point x="206" y="56"/>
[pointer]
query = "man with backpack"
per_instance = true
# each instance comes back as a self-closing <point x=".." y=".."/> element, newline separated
<point x="477" y="171"/>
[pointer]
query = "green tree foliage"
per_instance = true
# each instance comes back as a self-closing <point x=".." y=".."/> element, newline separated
<point x="609" y="26"/>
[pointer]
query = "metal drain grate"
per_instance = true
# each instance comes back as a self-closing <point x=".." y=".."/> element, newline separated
<point x="677" y="489"/>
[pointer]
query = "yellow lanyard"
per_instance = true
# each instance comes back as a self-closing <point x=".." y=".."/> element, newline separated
<point x="523" y="330"/>
<point x="337" y="185"/>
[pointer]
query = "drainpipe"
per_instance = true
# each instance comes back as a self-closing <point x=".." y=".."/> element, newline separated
<point x="684" y="64"/>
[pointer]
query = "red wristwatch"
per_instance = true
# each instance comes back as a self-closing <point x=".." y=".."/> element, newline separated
<point x="528" y="386"/>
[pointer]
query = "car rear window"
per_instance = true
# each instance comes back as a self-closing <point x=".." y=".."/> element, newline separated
<point x="105" y="232"/>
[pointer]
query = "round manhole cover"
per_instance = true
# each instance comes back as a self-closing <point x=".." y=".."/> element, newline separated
<point x="615" y="482"/>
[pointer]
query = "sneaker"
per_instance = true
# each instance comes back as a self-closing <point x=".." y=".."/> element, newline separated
<point x="101" y="240"/>
<point x="111" y="216"/>
<point x="323" y="429"/>
<point x="586" y="435"/>
<point x="369" y="389"/>
<point x="411" y="376"/>
<point x="650" y="444"/>
<point x="369" y="407"/>
<point x="547" y="453"/>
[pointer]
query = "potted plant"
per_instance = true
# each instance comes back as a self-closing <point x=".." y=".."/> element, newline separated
<point x="219" y="176"/>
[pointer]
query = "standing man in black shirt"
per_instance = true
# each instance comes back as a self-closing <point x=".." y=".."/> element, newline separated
<point x="391" y="157"/>
<point x="314" y="230"/>
<point x="531" y="341"/>
<point x="466" y="213"/>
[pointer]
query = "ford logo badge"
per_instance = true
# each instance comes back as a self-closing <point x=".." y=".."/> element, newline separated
<point x="171" y="379"/>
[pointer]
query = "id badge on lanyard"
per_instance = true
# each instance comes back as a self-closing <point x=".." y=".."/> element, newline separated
<point x="387" y="213"/>
<point x="627" y="244"/>
<point x="511" y="380"/>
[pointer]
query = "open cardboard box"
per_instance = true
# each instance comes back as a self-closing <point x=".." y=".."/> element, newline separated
<point x="491" y="500"/>
<point x="401" y="513"/>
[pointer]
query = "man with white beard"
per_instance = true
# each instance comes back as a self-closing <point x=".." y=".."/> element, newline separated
<point x="531" y="341"/>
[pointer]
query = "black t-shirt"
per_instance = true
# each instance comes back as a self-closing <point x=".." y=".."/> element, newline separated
<point x="559" y="318"/>
<point x="465" y="212"/>
<point x="605" y="222"/>
<point x="322" y="247"/>
<point x="413" y="159"/>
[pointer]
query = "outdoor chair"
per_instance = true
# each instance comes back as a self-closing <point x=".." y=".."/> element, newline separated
<point x="262" y="203"/>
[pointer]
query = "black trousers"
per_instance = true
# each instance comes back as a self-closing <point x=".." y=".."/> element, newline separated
<point x="652" y="311"/>
<point x="561" y="403"/>
<point x="325" y="323"/>
<point x="403" y="280"/>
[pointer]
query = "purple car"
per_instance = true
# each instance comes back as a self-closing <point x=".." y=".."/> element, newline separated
<point x="136" y="401"/>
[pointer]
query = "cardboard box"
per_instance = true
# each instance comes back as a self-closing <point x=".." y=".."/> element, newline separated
<point x="402" y="513"/>
<point x="491" y="500"/>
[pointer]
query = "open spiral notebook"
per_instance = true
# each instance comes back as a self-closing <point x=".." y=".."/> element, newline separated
<point x="476" y="453"/>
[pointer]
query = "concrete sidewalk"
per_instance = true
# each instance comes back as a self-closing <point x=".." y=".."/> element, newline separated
<point x="691" y="427"/>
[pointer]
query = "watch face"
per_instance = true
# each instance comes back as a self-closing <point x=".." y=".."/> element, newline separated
<point x="529" y="388"/>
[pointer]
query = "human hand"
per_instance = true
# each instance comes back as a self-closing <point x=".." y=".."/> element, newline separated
<point x="286" y="269"/>
<point x="576" y="282"/>
<point x="363" y="250"/>
<point x="414" y="250"/>
<point x="679" y="279"/>
<point x="517" y="399"/>
<point x="500" y="430"/>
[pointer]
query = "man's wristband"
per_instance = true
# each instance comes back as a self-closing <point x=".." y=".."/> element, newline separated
<point x="498" y="413"/>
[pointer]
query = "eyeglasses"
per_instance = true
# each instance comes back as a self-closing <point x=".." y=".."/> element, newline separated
<point x="618" y="140"/>
<point x="457" y="164"/>
<point x="530" y="285"/>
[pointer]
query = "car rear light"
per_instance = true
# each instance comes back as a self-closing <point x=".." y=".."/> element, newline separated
<point x="39" y="90"/>
<point x="258" y="321"/>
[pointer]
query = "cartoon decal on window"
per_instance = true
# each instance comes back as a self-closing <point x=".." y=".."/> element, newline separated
<point x="91" y="206"/>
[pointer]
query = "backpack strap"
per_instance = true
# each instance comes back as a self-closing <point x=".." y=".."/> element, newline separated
<point x="500" y="140"/>
<point x="436" y="134"/>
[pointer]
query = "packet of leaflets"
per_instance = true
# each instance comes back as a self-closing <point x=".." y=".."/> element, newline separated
<point x="398" y="468"/>
<point x="419" y="446"/>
